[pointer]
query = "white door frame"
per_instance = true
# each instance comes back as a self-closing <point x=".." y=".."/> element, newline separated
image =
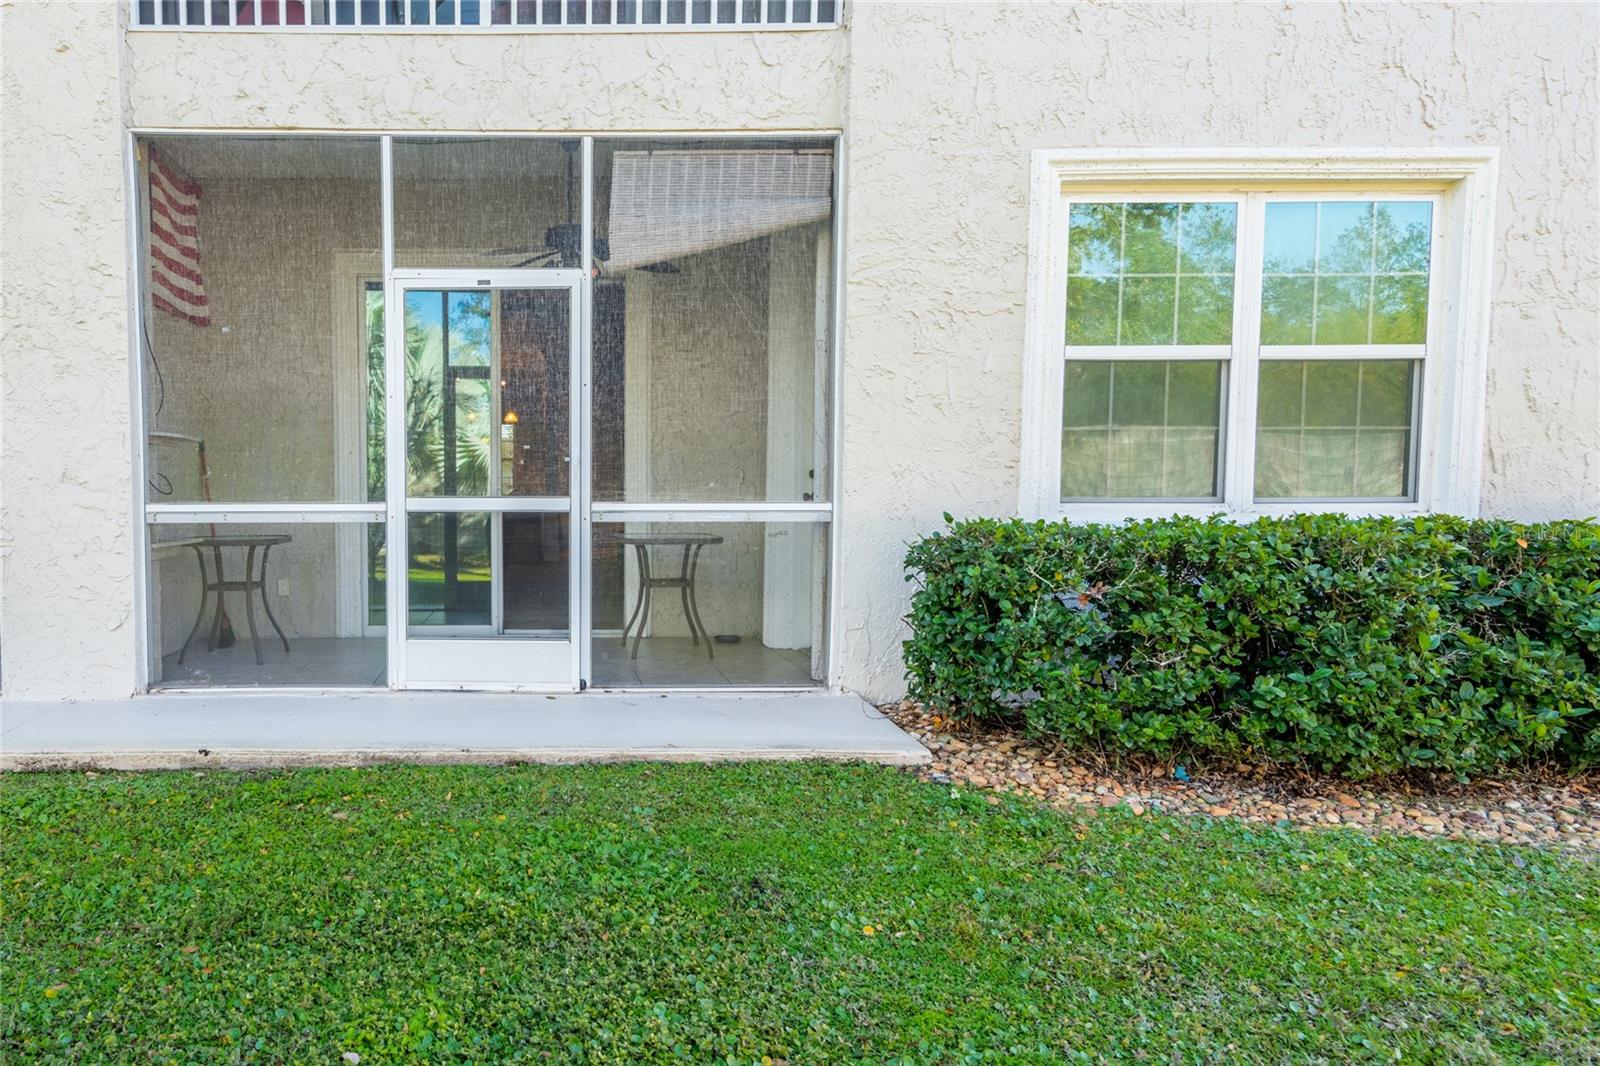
<point x="465" y="659"/>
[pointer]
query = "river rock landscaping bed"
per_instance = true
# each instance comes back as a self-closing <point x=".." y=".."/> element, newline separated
<point x="1563" y="812"/>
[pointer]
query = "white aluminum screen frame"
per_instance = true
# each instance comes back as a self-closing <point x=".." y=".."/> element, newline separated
<point x="390" y="512"/>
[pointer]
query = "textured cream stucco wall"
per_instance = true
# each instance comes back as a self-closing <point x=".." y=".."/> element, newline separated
<point x="947" y="100"/>
<point x="461" y="81"/>
<point x="67" y="620"/>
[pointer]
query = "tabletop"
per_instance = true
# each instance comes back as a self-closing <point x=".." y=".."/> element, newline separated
<point x="667" y="539"/>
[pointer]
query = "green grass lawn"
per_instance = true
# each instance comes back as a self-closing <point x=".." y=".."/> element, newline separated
<point x="809" y="913"/>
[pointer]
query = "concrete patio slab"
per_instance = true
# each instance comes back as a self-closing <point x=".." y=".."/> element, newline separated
<point x="260" y="730"/>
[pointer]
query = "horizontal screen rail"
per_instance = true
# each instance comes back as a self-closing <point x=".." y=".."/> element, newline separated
<point x="719" y="512"/>
<point x="261" y="513"/>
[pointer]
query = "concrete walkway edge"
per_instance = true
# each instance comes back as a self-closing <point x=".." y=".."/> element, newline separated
<point x="283" y="730"/>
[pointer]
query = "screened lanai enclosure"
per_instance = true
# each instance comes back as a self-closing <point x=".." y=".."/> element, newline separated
<point x="501" y="412"/>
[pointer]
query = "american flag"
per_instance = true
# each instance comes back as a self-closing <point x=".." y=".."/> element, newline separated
<point x="176" y="286"/>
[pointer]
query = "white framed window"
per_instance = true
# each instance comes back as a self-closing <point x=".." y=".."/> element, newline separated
<point x="1256" y="332"/>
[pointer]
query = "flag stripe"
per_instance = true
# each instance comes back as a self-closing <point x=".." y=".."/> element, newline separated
<point x="176" y="267"/>
<point x="184" y="201"/>
<point x="175" y="222"/>
<point x="176" y="284"/>
<point x="197" y="319"/>
<point x="181" y="184"/>
<point x="181" y="288"/>
<point x="170" y="243"/>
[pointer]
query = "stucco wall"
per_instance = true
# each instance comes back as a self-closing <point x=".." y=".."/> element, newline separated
<point x="462" y="81"/>
<point x="945" y="102"/>
<point x="67" y="620"/>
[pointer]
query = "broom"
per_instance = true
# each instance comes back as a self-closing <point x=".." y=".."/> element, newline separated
<point x="225" y="637"/>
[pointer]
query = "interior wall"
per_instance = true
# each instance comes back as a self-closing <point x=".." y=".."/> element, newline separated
<point x="258" y="383"/>
<point x="709" y="342"/>
<point x="708" y="339"/>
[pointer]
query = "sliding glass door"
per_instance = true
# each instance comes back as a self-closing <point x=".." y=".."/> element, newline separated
<point x="483" y="437"/>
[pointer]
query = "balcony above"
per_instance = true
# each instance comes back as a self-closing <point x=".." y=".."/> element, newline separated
<point x="482" y="16"/>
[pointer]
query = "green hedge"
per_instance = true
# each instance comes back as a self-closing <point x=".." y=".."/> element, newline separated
<point x="1359" y="646"/>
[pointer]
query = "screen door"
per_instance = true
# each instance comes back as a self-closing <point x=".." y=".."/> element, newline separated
<point x="483" y="435"/>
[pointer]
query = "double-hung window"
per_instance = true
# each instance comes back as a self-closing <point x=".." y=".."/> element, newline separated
<point x="1252" y="349"/>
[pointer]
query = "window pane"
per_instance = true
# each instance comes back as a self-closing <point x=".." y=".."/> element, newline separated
<point x="1342" y="272"/>
<point x="488" y="392"/>
<point x="1343" y="311"/>
<point x="1290" y="239"/>
<point x="487" y="202"/>
<point x="1140" y="429"/>
<point x="1344" y="238"/>
<point x="1139" y="394"/>
<point x="1206" y="243"/>
<point x="1405" y="233"/>
<point x="257" y="251"/>
<point x="536" y="556"/>
<point x="496" y="574"/>
<point x="1286" y="309"/>
<point x="1152" y="239"/>
<point x="712" y="320"/>
<point x="1129" y="267"/>
<point x="311" y="593"/>
<point x="534" y="418"/>
<point x="1087" y="400"/>
<point x="1092" y="310"/>
<point x="751" y="613"/>
<point x="1205" y="309"/>
<point x="1094" y="240"/>
<point x="1400" y="309"/>
<point x="1334" y="428"/>
<point x="377" y="415"/>
<point x="1148" y="306"/>
<point x="448" y="573"/>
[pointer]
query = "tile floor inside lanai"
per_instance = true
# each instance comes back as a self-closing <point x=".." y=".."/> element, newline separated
<point x="663" y="662"/>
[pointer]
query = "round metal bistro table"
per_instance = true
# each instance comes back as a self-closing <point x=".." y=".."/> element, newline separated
<point x="650" y="582"/>
<point x="215" y="583"/>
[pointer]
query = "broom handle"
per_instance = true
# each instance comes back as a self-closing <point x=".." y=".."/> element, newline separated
<point x="205" y="489"/>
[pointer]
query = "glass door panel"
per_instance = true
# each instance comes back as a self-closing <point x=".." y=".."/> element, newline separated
<point x="449" y="577"/>
<point x="488" y="392"/>
<point x="487" y="371"/>
<point x="535" y="331"/>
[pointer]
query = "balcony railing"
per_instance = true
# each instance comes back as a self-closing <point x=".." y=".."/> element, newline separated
<point x="485" y="15"/>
